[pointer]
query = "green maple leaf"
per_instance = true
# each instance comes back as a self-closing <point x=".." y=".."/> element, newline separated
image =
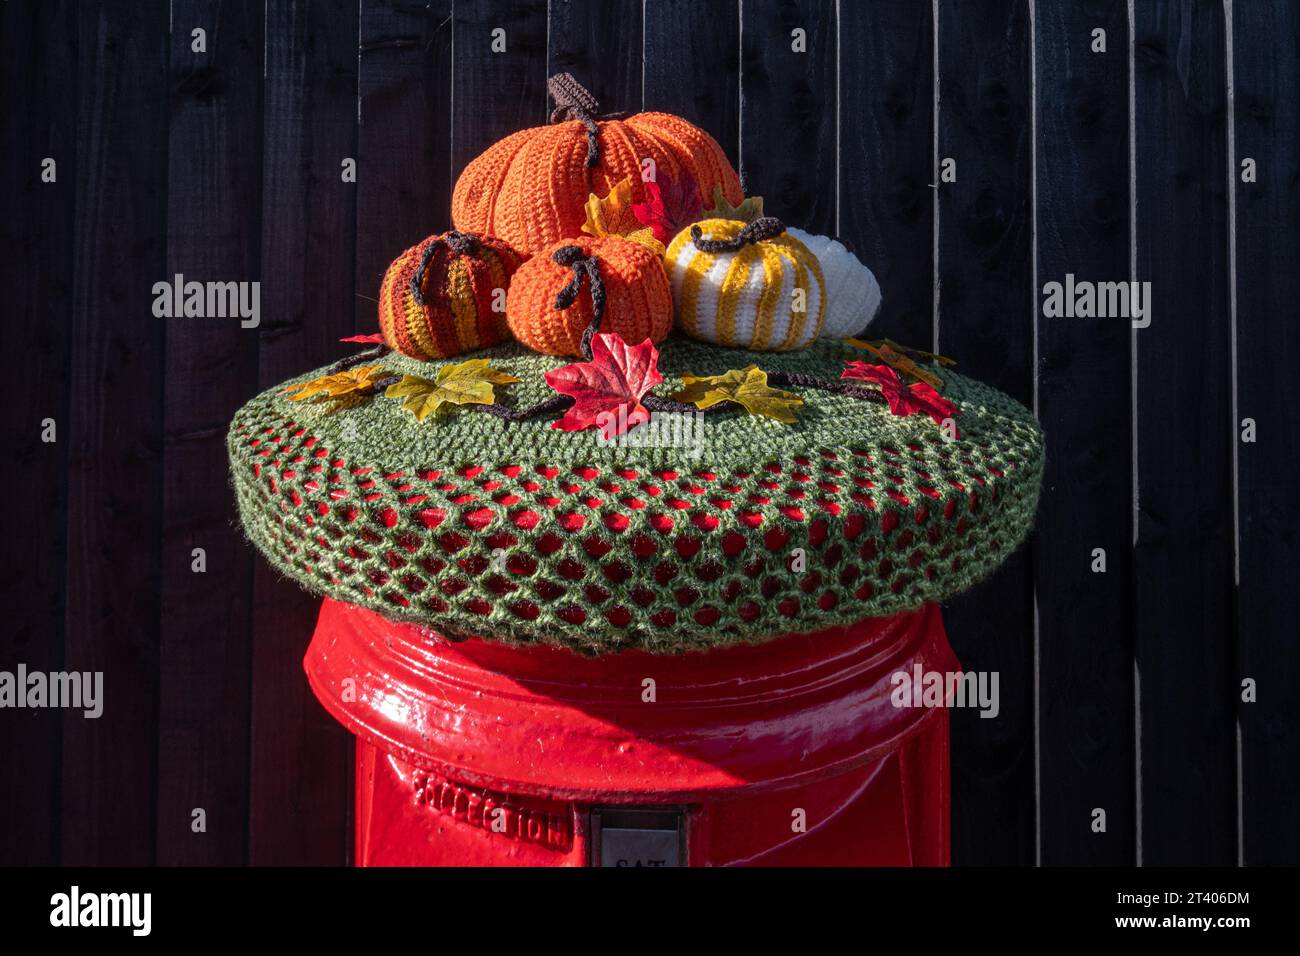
<point x="469" y="383"/>
<point x="746" y="387"/>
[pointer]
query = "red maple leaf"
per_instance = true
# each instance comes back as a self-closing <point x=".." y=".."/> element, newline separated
<point x="903" y="400"/>
<point x="607" y="390"/>
<point x="669" y="207"/>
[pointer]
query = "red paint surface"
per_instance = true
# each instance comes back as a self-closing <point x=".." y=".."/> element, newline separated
<point x="740" y="737"/>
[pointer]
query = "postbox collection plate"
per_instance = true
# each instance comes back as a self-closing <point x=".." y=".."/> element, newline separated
<point x="638" y="836"/>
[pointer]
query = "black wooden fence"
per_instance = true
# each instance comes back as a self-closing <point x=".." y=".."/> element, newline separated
<point x="1109" y="156"/>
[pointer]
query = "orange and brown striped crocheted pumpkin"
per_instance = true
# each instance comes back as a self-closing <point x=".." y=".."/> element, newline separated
<point x="638" y="303"/>
<point x="531" y="188"/>
<point x="446" y="295"/>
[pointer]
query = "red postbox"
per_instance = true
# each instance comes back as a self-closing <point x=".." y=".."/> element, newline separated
<point x="506" y="500"/>
<point x="786" y="753"/>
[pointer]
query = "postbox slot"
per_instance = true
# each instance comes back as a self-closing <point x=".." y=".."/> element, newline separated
<point x="636" y="836"/>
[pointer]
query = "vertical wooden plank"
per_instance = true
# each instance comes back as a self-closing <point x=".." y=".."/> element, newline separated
<point x="1182" y="558"/>
<point x="114" y="431"/>
<point x="692" y="65"/>
<point x="788" y="109"/>
<point x="300" y="755"/>
<point x="1266" y="78"/>
<point x="404" y="159"/>
<point x="985" y="322"/>
<point x="38" y="51"/>
<point x="496" y="93"/>
<point x="1086" y="750"/>
<point x="599" y="42"/>
<point x="886" y="203"/>
<point x="403" y="172"/>
<point x="213" y="235"/>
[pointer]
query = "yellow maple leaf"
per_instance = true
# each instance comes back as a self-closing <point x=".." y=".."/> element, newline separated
<point x="469" y="383"/>
<point x="747" y="387"/>
<point x="750" y="208"/>
<point x="613" y="216"/>
<point x="357" y="379"/>
<point x="647" y="238"/>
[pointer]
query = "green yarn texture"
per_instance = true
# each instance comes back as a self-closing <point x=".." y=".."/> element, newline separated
<point x="522" y="533"/>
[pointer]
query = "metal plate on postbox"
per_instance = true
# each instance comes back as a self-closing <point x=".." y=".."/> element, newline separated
<point x="622" y="836"/>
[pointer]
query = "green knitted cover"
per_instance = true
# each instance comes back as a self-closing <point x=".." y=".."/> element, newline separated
<point x="761" y="530"/>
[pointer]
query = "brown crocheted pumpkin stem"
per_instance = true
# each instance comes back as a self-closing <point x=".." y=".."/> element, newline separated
<point x="574" y="102"/>
<point x="461" y="243"/>
<point x="571" y="95"/>
<point x="582" y="265"/>
<point x="768" y="227"/>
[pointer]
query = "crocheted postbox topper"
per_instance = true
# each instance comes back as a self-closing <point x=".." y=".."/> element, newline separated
<point x="566" y="470"/>
<point x="722" y="528"/>
<point x="531" y="188"/>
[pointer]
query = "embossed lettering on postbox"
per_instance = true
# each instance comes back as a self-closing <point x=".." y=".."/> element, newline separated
<point x="548" y="823"/>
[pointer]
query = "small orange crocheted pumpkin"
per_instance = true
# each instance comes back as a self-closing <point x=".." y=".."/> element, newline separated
<point x="531" y="188"/>
<point x="446" y="295"/>
<point x="556" y="294"/>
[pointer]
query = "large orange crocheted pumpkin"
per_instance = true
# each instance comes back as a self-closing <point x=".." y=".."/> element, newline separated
<point x="531" y="187"/>
<point x="446" y="295"/>
<point x="556" y="294"/>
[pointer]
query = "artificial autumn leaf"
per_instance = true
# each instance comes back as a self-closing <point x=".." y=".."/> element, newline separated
<point x="469" y="383"/>
<point x="893" y="355"/>
<point x="357" y="379"/>
<point x="613" y="216"/>
<point x="933" y="356"/>
<point x="607" y="390"/>
<point x="376" y="339"/>
<point x="747" y="387"/>
<point x="670" y="206"/>
<point x="903" y="400"/>
<point x="750" y="208"/>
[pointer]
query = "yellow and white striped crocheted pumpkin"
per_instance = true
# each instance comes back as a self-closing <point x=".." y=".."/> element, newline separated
<point x="746" y="285"/>
<point x="852" y="292"/>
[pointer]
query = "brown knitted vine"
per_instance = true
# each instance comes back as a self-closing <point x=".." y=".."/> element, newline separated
<point x="461" y="243"/>
<point x="557" y="403"/>
<point x="804" y="380"/>
<point x="365" y="355"/>
<point x="582" y="265"/>
<point x="766" y="227"/>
